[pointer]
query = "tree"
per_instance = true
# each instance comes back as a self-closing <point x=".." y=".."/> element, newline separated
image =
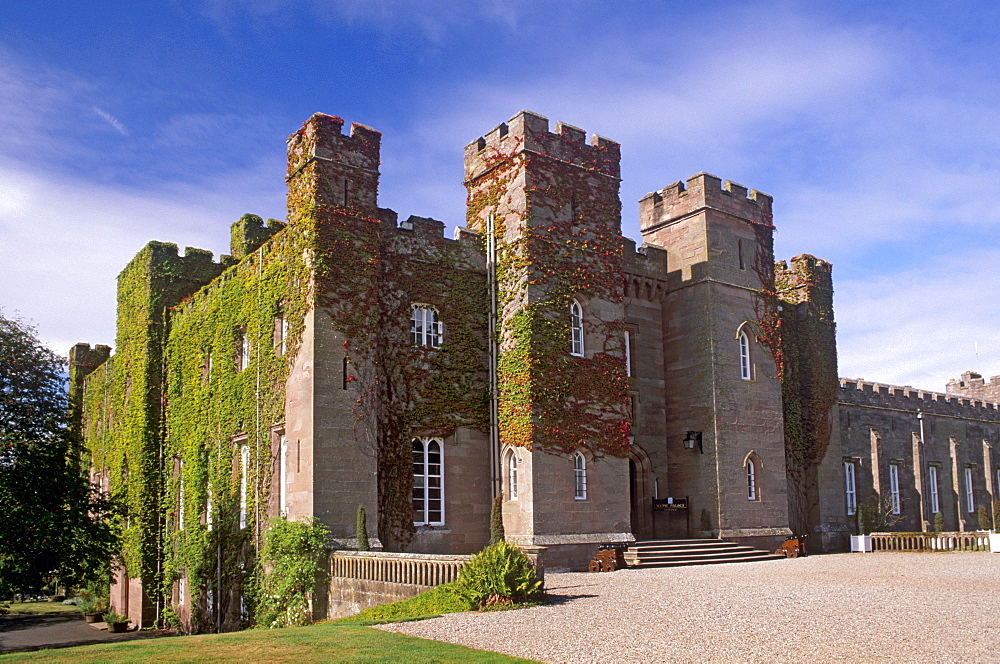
<point x="53" y="523"/>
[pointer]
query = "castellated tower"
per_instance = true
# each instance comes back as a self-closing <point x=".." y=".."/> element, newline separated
<point x="332" y="202"/>
<point x="813" y="455"/>
<point x="721" y="382"/>
<point x="547" y="204"/>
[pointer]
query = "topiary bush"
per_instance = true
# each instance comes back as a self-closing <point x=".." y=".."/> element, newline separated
<point x="499" y="575"/>
<point x="361" y="528"/>
<point x="497" y="533"/>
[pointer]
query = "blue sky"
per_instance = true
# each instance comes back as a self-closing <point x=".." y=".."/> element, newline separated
<point x="875" y="126"/>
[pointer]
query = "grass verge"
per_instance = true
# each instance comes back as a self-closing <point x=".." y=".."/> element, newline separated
<point x="327" y="642"/>
<point x="39" y="608"/>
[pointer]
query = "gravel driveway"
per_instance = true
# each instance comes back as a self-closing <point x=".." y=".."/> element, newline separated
<point x="881" y="607"/>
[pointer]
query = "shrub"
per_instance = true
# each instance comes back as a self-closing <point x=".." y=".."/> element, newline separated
<point x="499" y="574"/>
<point x="290" y="565"/>
<point x="938" y="522"/>
<point x="111" y="617"/>
<point x="983" y="517"/>
<point x="361" y="528"/>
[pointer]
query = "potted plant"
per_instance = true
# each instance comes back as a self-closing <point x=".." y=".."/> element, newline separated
<point x="116" y="621"/>
<point x="91" y="612"/>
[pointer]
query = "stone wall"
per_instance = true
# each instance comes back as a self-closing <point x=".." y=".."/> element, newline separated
<point x="879" y="426"/>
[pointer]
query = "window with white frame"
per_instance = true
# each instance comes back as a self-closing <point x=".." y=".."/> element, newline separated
<point x="894" y="487"/>
<point x="283" y="477"/>
<point x="970" y="492"/>
<point x="579" y="476"/>
<point x="242" y="349"/>
<point x="628" y="354"/>
<point x="576" y="328"/>
<point x="425" y="326"/>
<point x="244" y="470"/>
<point x="428" y="481"/>
<point x="746" y="372"/>
<point x="511" y="475"/>
<point x="752" y="492"/>
<point x="209" y="518"/>
<point x="850" y="487"/>
<point x="932" y="484"/>
<point x="180" y="495"/>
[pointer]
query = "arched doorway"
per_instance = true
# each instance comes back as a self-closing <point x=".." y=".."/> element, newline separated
<point x="640" y="487"/>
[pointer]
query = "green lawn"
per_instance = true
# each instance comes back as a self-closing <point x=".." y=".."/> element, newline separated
<point x="38" y="608"/>
<point x="302" y="645"/>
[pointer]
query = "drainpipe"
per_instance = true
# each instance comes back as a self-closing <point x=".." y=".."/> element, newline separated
<point x="921" y="482"/>
<point x="491" y="276"/>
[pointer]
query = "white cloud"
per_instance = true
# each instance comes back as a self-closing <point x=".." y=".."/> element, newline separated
<point x="921" y="327"/>
<point x="111" y="120"/>
<point x="63" y="240"/>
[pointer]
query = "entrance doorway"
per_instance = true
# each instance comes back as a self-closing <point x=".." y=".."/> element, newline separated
<point x="640" y="494"/>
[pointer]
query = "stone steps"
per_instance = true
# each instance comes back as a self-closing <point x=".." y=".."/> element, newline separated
<point x="678" y="553"/>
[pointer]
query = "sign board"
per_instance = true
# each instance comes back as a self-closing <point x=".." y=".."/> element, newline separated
<point x="670" y="504"/>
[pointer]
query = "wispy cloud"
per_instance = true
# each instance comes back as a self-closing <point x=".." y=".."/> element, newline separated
<point x="111" y="120"/>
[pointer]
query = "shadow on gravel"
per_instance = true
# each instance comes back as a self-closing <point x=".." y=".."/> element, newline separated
<point x="565" y="598"/>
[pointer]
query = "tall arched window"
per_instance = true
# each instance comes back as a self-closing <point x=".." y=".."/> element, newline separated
<point x="752" y="493"/>
<point x="425" y="327"/>
<point x="428" y="482"/>
<point x="511" y="475"/>
<point x="576" y="328"/>
<point x="745" y="368"/>
<point x="579" y="476"/>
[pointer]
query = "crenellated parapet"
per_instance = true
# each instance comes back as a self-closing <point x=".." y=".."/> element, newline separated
<point x="248" y="233"/>
<point x="879" y="395"/>
<point x="974" y="386"/>
<point x="326" y="167"/>
<point x="806" y="279"/>
<point x="677" y="200"/>
<point x="528" y="132"/>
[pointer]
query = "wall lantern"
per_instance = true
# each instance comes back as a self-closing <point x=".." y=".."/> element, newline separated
<point x="692" y="438"/>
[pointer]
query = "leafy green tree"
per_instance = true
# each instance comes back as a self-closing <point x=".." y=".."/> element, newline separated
<point x="54" y="524"/>
<point x="290" y="565"/>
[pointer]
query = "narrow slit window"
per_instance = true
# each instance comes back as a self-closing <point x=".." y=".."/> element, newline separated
<point x="751" y="480"/>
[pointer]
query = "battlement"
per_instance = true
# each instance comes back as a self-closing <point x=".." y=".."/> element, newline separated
<point x="528" y="132"/>
<point x="327" y="167"/>
<point x="865" y="393"/>
<point x="807" y="279"/>
<point x="646" y="261"/>
<point x="83" y="359"/>
<point x="703" y="190"/>
<point x="249" y="233"/>
<point x="322" y="137"/>
<point x="974" y="386"/>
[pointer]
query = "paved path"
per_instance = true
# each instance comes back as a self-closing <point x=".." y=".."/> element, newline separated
<point x="18" y="632"/>
<point x="882" y="607"/>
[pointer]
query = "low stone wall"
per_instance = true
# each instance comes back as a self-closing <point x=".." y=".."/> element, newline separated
<point x="362" y="579"/>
